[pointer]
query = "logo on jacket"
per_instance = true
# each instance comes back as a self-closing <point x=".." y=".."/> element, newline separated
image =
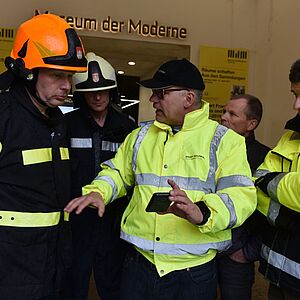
<point x="194" y="156"/>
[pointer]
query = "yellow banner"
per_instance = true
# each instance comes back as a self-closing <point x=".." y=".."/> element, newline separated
<point x="225" y="73"/>
<point x="7" y="36"/>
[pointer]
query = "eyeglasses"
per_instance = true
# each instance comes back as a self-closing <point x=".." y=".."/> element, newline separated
<point x="161" y="92"/>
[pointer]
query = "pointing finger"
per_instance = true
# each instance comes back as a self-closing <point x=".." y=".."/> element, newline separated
<point x="173" y="184"/>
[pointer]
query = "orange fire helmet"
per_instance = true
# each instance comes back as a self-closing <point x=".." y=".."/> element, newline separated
<point x="48" y="41"/>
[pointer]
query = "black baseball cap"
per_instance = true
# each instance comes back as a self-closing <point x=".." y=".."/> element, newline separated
<point x="179" y="72"/>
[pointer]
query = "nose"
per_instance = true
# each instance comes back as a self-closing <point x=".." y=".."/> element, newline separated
<point x="66" y="83"/>
<point x="223" y="117"/>
<point x="154" y="98"/>
<point x="297" y="103"/>
<point x="98" y="96"/>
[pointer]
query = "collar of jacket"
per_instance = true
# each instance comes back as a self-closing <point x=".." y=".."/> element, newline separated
<point x="196" y="118"/>
<point x="251" y="138"/>
<point x="54" y="113"/>
<point x="293" y="124"/>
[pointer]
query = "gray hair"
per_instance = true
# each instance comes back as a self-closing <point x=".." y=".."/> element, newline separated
<point x="198" y="97"/>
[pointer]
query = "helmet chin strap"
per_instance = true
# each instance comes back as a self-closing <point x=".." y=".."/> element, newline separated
<point x="37" y="98"/>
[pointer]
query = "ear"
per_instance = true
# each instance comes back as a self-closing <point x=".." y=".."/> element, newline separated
<point x="189" y="99"/>
<point x="252" y="124"/>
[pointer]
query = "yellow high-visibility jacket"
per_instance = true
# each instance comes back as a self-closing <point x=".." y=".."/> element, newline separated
<point x="280" y="258"/>
<point x="207" y="161"/>
<point x="286" y="188"/>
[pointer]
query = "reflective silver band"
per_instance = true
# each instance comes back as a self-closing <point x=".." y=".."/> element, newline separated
<point x="272" y="186"/>
<point x="174" y="249"/>
<point x="111" y="183"/>
<point x="88" y="143"/>
<point x="81" y="143"/>
<point x="233" y="180"/>
<point x="110" y="146"/>
<point x="137" y="144"/>
<point x="259" y="173"/>
<point x="112" y="166"/>
<point x="281" y="262"/>
<point x="230" y="206"/>
<point x="273" y="211"/>
<point x="193" y="183"/>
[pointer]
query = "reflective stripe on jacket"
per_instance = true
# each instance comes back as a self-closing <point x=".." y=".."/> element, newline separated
<point x="281" y="236"/>
<point x="23" y="219"/>
<point x="206" y="160"/>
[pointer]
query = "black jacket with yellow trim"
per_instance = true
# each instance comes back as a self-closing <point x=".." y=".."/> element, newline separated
<point x="280" y="258"/>
<point x="86" y="159"/>
<point x="34" y="179"/>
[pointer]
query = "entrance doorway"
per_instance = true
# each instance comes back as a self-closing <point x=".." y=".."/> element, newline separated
<point x="148" y="56"/>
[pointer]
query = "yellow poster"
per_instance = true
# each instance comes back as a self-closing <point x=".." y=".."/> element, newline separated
<point x="225" y="73"/>
<point x="7" y="36"/>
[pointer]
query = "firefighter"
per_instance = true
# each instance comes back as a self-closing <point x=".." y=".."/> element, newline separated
<point x="34" y="158"/>
<point x="192" y="158"/>
<point x="97" y="129"/>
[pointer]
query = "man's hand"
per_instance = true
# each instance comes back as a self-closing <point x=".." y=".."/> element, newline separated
<point x="92" y="199"/>
<point x="182" y="206"/>
<point x="239" y="256"/>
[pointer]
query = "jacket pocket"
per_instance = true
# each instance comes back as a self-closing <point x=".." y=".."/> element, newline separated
<point x="24" y="256"/>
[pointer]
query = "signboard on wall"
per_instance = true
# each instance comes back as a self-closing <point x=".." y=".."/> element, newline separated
<point x="7" y="36"/>
<point x="225" y="72"/>
<point x="108" y="24"/>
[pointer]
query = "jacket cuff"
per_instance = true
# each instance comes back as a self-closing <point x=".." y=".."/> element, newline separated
<point x="204" y="210"/>
<point x="262" y="182"/>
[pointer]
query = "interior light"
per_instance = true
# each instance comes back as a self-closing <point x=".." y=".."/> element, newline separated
<point x="131" y="63"/>
<point x="120" y="72"/>
<point x="129" y="101"/>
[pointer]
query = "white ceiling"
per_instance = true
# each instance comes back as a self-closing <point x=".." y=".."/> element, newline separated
<point x="147" y="55"/>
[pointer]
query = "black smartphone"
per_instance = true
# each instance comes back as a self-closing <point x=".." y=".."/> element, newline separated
<point x="159" y="202"/>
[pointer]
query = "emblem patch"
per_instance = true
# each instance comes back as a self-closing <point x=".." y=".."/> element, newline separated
<point x="95" y="77"/>
<point x="79" y="52"/>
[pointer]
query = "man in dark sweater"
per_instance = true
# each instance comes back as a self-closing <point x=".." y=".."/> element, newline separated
<point x="236" y="266"/>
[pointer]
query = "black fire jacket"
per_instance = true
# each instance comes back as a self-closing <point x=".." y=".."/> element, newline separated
<point x="247" y="235"/>
<point x="280" y="258"/>
<point x="91" y="145"/>
<point x="34" y="183"/>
